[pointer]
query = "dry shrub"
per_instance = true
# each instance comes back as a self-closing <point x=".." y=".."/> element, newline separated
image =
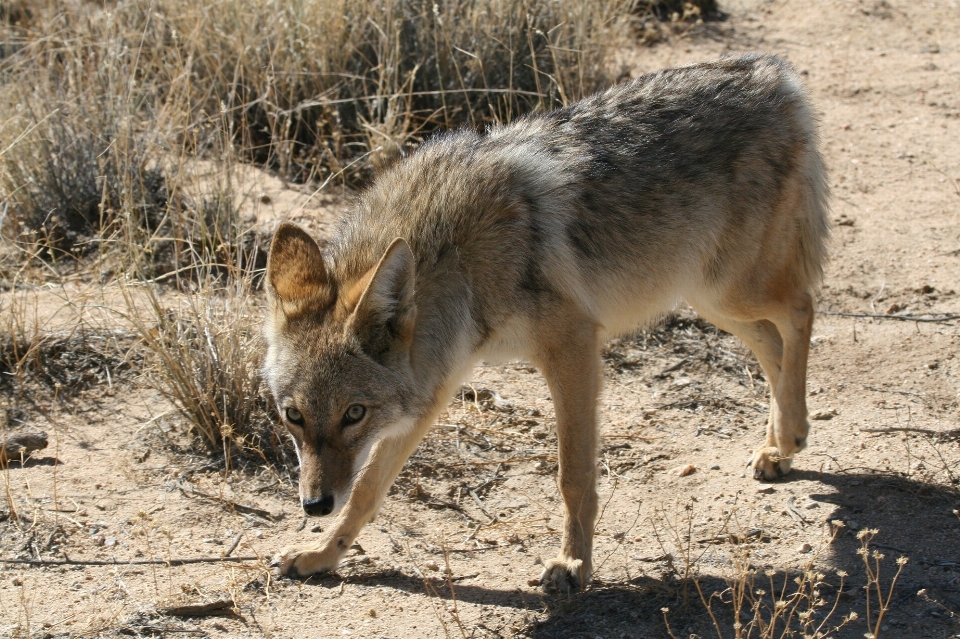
<point x="310" y="87"/>
<point x="204" y="358"/>
<point x="769" y="604"/>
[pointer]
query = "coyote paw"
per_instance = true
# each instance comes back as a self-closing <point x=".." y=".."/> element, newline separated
<point x="564" y="576"/>
<point x="307" y="560"/>
<point x="768" y="464"/>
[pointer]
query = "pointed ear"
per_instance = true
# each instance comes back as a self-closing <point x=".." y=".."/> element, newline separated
<point x="296" y="275"/>
<point x="384" y="317"/>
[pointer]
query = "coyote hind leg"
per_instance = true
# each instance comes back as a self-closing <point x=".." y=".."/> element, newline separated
<point x="781" y="344"/>
<point x="794" y="321"/>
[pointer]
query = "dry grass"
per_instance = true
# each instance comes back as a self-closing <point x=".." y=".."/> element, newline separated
<point x="765" y="604"/>
<point x="109" y="108"/>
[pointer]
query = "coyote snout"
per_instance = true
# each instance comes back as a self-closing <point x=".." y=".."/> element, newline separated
<point x="538" y="240"/>
<point x="318" y="507"/>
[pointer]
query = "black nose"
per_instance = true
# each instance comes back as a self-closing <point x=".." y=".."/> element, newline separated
<point x="318" y="507"/>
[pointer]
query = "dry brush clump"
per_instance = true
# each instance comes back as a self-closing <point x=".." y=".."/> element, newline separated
<point x="306" y="88"/>
<point x="766" y="603"/>
<point x="203" y="357"/>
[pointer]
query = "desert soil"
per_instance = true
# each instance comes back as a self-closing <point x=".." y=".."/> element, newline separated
<point x="479" y="496"/>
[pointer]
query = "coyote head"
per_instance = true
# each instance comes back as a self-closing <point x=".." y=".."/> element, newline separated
<point x="338" y="360"/>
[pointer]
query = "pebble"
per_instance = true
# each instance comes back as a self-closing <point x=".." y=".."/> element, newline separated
<point x="689" y="469"/>
<point x="715" y="467"/>
<point x="804" y="548"/>
<point x="110" y="541"/>
<point x="533" y="582"/>
<point x="766" y="490"/>
<point x="431" y="565"/>
<point x="853" y="525"/>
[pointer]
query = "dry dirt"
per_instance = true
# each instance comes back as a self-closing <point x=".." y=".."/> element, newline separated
<point x="479" y="496"/>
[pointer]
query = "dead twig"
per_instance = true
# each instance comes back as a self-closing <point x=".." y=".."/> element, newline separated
<point x="791" y="509"/>
<point x="906" y="429"/>
<point x="183" y="561"/>
<point x="240" y="508"/>
<point x="734" y="538"/>
<point x="476" y="500"/>
<point x="219" y="607"/>
<point x="892" y="390"/>
<point x="942" y="317"/>
<point x="233" y="546"/>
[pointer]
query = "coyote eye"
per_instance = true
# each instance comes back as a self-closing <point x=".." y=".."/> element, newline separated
<point x="354" y="414"/>
<point x="295" y="416"/>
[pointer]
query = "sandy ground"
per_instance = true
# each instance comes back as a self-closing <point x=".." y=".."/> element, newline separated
<point x="460" y="538"/>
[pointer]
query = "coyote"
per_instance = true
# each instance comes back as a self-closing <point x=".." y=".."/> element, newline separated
<point x="539" y="240"/>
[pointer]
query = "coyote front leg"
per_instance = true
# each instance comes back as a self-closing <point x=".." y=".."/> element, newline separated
<point x="571" y="365"/>
<point x="370" y="487"/>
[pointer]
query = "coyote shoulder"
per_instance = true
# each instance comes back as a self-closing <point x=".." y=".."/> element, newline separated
<point x="539" y="240"/>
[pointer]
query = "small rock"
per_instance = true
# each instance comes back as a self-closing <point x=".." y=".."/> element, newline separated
<point x="766" y="490"/>
<point x="110" y="541"/>
<point x="649" y="412"/>
<point x="533" y="582"/>
<point x="804" y="548"/>
<point x="715" y="467"/>
<point x="853" y="525"/>
<point x="372" y="612"/>
<point x="682" y="382"/>
<point x="683" y="471"/>
<point x="823" y="415"/>
<point x="431" y="565"/>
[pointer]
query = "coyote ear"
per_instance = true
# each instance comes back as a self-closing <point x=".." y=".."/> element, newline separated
<point x="385" y="315"/>
<point x="296" y="274"/>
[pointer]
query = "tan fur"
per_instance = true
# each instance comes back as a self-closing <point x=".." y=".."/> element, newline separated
<point x="539" y="240"/>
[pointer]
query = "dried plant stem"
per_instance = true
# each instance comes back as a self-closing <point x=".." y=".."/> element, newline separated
<point x="176" y="561"/>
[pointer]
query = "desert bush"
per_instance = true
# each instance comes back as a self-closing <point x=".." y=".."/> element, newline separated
<point x="309" y="87"/>
<point x="103" y="101"/>
<point x="204" y="358"/>
<point x="767" y="604"/>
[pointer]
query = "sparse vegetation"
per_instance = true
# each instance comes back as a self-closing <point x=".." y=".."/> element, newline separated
<point x="129" y="259"/>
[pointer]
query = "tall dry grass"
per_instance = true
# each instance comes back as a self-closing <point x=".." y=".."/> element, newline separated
<point x="305" y="88"/>
<point x="108" y="108"/>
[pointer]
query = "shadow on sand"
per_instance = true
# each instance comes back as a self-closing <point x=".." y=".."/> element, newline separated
<point x="915" y="520"/>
